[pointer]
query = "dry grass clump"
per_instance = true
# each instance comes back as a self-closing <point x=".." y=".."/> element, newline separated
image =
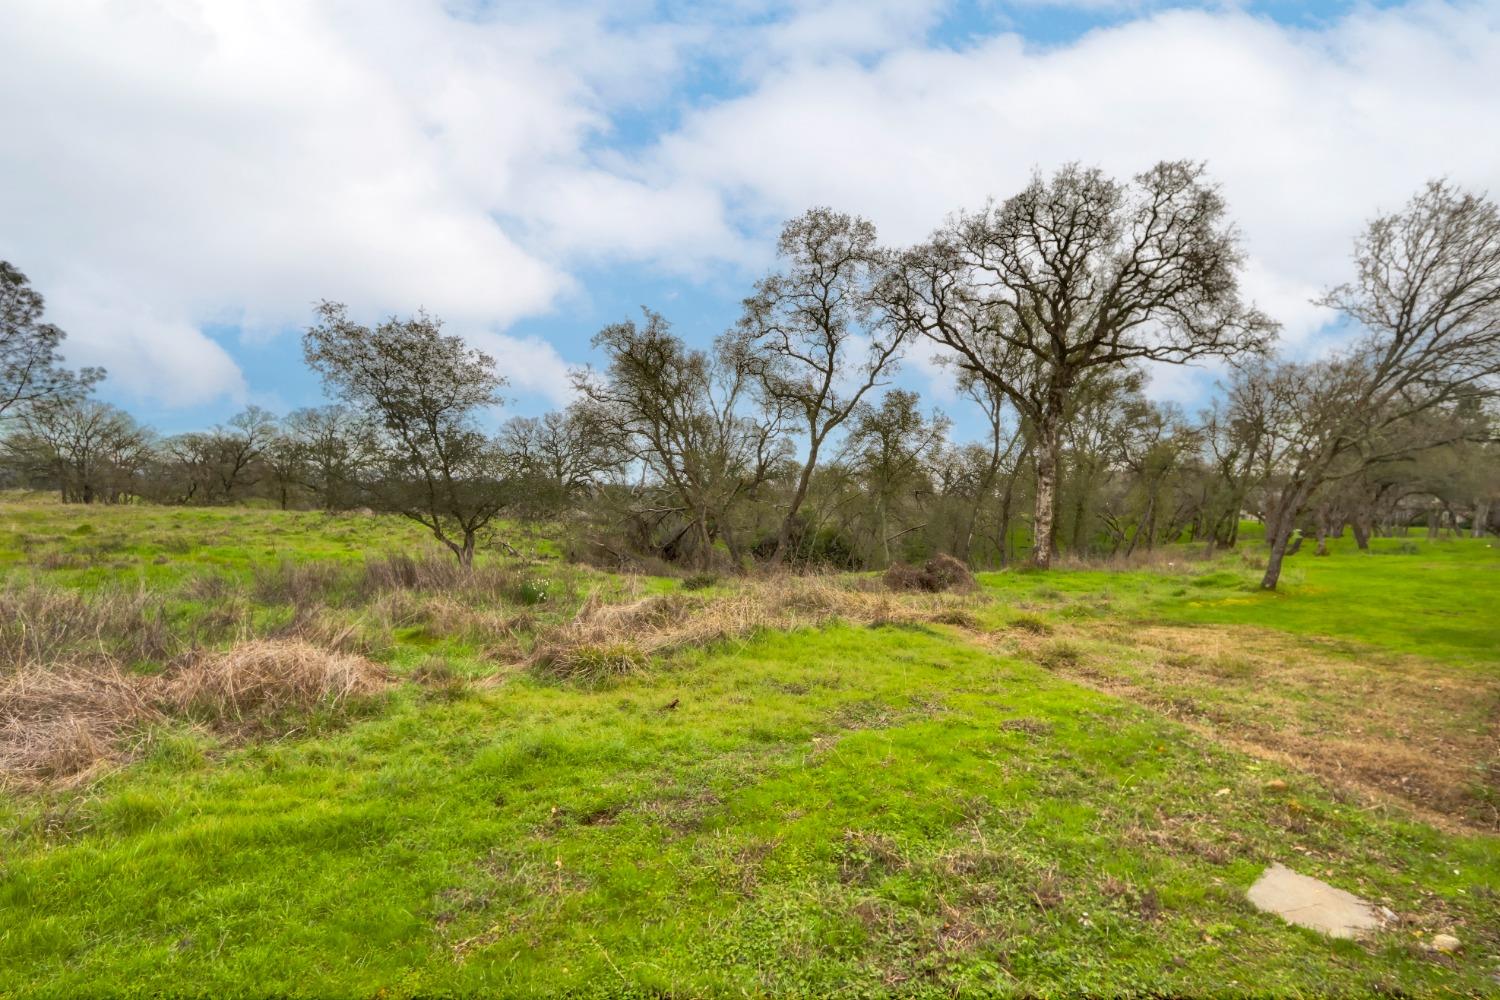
<point x="256" y="683"/>
<point x="938" y="574"/>
<point x="66" y="722"/>
<point x="606" y="640"/>
<point x="1028" y="622"/>
<point x="63" y="723"/>
<point x="41" y="624"/>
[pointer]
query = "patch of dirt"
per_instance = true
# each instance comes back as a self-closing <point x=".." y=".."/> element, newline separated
<point x="1387" y="727"/>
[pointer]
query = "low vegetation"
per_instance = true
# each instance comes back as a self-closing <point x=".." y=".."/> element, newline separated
<point x="534" y="777"/>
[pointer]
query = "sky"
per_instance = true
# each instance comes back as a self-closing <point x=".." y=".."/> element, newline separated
<point x="184" y="179"/>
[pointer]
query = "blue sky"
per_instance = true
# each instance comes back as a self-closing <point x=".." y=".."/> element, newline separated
<point x="186" y="179"/>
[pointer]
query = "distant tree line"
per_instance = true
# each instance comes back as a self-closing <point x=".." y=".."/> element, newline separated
<point x="784" y="441"/>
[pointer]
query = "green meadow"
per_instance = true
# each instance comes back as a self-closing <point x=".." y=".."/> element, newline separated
<point x="1065" y="786"/>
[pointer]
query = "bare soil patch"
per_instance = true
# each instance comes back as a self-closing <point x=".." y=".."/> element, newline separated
<point x="1386" y="726"/>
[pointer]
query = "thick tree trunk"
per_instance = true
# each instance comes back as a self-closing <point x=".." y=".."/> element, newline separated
<point x="1361" y="531"/>
<point x="1279" y="528"/>
<point x="784" y="535"/>
<point x="1049" y="445"/>
<point x="1273" y="564"/>
<point x="1481" y="518"/>
<point x="1322" y="549"/>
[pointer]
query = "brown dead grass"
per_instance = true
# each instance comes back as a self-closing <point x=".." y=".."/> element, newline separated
<point x="1389" y="728"/>
<point x="613" y="639"/>
<point x="64" y="723"/>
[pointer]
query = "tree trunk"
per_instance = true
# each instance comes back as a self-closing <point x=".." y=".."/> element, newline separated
<point x="1361" y="534"/>
<point x="1481" y="518"/>
<point x="1047" y="457"/>
<point x="1279" y="528"/>
<point x="1080" y="514"/>
<point x="1273" y="564"/>
<point x="466" y="552"/>
<point x="784" y="536"/>
<point x="1008" y="498"/>
<point x="1322" y="549"/>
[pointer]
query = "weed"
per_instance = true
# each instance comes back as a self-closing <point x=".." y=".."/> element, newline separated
<point x="1058" y="653"/>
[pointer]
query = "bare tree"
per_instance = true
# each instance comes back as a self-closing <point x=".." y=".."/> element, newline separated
<point x="1075" y="274"/>
<point x="423" y="388"/>
<point x="91" y="451"/>
<point x="1427" y="294"/>
<point x="892" y="445"/>
<point x="812" y="337"/>
<point x="240" y="449"/>
<point x="30" y="368"/>
<point x="678" y="413"/>
<point x="564" y="455"/>
<point x="330" y="442"/>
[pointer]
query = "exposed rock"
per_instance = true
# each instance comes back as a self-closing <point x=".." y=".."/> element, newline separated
<point x="1445" y="943"/>
<point x="1309" y="902"/>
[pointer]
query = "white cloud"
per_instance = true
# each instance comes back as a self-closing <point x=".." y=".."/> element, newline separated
<point x="529" y="364"/>
<point x="171" y="163"/>
<point x="183" y="159"/>
<point x="1309" y="132"/>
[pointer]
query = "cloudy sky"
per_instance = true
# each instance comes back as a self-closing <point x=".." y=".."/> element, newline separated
<point x="183" y="179"/>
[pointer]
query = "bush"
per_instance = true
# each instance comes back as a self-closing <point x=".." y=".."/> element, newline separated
<point x="938" y="574"/>
<point x="944" y="572"/>
<point x="1058" y="653"/>
<point x="700" y="581"/>
<point x="1034" y="624"/>
<point x="904" y="576"/>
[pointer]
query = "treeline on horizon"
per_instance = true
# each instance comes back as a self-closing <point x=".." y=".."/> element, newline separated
<point x="784" y="443"/>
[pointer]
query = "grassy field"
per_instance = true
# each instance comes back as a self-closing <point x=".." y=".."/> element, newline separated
<point x="1063" y="783"/>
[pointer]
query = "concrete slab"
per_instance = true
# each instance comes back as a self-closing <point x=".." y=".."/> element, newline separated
<point x="1309" y="902"/>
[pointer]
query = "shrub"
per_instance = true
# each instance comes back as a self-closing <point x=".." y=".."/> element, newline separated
<point x="1058" y="653"/>
<point x="943" y="572"/>
<point x="700" y="581"/>
<point x="1027" y="622"/>
<point x="940" y="573"/>
<point x="904" y="576"/>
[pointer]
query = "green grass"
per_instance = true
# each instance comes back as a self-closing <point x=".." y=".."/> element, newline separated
<point x="1436" y="599"/>
<point x="848" y="811"/>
